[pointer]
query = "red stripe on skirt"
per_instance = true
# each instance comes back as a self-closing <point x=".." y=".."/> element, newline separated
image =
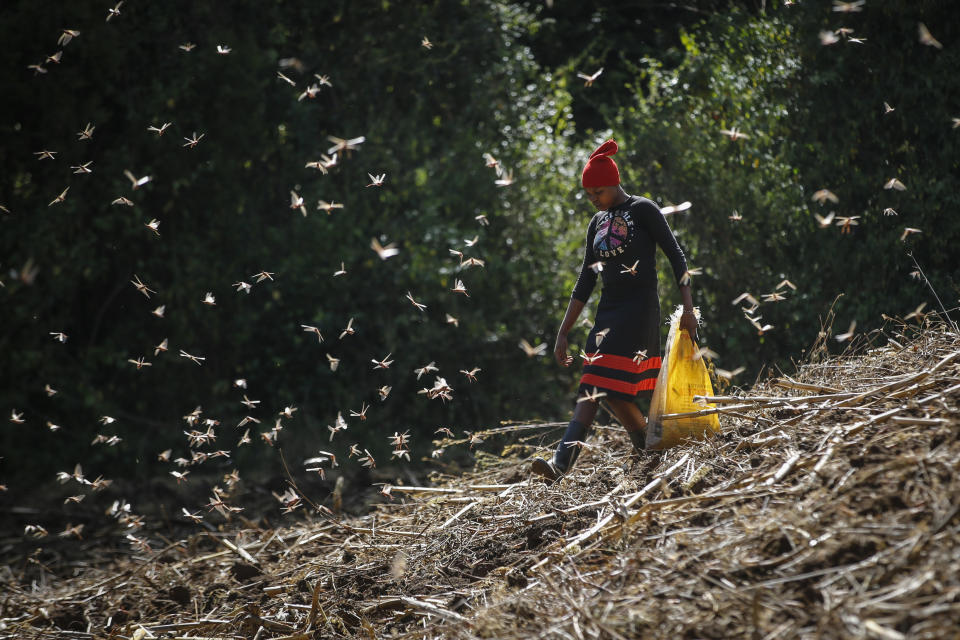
<point x="624" y="364"/>
<point x="630" y="388"/>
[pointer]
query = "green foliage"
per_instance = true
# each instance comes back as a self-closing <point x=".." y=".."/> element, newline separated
<point x="815" y="119"/>
<point x="734" y="75"/>
<point x="428" y="115"/>
<point x="853" y="147"/>
<point x="501" y="79"/>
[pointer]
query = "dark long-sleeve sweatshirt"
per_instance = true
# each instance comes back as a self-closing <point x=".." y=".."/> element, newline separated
<point x="624" y="239"/>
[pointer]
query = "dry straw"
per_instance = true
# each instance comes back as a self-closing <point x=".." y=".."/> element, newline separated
<point x="827" y="508"/>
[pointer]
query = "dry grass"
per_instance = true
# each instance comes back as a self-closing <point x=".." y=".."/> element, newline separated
<point x="826" y="509"/>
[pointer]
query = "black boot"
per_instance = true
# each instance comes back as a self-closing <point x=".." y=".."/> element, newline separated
<point x="545" y="469"/>
<point x="566" y="454"/>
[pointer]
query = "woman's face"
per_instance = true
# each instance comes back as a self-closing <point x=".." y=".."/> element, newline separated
<point x="602" y="198"/>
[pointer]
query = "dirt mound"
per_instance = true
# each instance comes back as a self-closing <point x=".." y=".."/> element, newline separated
<point x="827" y="508"/>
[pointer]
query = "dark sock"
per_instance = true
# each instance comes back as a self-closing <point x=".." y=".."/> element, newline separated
<point x="565" y="455"/>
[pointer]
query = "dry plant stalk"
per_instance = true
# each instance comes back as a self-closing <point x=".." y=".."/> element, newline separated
<point x="827" y="508"/>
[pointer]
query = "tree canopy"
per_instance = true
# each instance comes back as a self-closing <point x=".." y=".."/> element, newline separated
<point x="810" y="98"/>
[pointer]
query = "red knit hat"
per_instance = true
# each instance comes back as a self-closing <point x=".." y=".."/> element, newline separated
<point x="601" y="170"/>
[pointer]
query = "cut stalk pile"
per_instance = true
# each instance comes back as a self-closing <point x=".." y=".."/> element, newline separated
<point x="828" y="507"/>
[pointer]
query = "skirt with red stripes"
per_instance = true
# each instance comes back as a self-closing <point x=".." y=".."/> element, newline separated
<point x="622" y="355"/>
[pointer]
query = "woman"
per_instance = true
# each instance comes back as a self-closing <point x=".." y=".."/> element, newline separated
<point x="622" y="352"/>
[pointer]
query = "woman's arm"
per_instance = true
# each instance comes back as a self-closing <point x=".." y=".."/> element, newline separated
<point x="688" y="320"/>
<point x="656" y="224"/>
<point x="586" y="281"/>
<point x="569" y="318"/>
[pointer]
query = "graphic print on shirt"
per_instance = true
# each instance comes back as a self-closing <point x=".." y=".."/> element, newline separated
<point x="614" y="232"/>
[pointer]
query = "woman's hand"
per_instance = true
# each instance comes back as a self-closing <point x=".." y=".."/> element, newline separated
<point x="560" y="351"/>
<point x="688" y="322"/>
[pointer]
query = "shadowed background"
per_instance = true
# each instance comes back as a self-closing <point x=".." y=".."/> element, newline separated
<point x="499" y="78"/>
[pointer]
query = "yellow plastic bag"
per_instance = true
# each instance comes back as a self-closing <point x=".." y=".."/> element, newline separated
<point x="681" y="378"/>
